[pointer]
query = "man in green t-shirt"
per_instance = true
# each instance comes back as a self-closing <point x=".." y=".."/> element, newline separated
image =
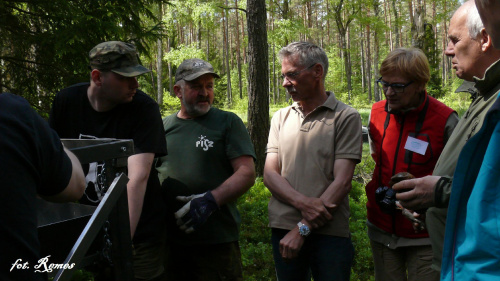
<point x="209" y="166"/>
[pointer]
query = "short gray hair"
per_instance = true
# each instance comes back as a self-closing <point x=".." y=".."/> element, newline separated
<point x="180" y="83"/>
<point x="474" y="23"/>
<point x="307" y="54"/>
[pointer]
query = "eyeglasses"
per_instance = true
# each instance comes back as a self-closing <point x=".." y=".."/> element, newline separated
<point x="293" y="75"/>
<point x="396" y="87"/>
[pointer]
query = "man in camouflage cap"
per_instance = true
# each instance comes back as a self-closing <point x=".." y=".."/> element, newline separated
<point x="191" y="69"/>
<point x="209" y="166"/>
<point x="112" y="106"/>
<point x="118" y="57"/>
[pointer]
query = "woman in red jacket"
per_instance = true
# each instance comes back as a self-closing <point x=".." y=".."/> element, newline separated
<point x="407" y="133"/>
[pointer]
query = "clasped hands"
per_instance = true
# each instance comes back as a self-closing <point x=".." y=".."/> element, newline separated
<point x="316" y="214"/>
<point x="196" y="211"/>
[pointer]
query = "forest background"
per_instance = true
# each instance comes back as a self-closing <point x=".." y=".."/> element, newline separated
<point x="45" y="43"/>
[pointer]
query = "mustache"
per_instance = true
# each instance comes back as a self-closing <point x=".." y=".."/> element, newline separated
<point x="202" y="99"/>
<point x="291" y="89"/>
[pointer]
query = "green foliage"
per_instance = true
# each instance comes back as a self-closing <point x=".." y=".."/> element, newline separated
<point x="195" y="12"/>
<point x="363" y="262"/>
<point x="460" y="102"/>
<point x="240" y="104"/>
<point x="255" y="237"/>
<point x="45" y="43"/>
<point x="364" y="112"/>
<point x="285" y="31"/>
<point x="220" y="91"/>
<point x="182" y="52"/>
<point x="434" y="87"/>
<point x="171" y="104"/>
<point x="335" y="80"/>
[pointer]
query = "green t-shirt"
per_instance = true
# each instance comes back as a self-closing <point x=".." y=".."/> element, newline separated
<point x="198" y="160"/>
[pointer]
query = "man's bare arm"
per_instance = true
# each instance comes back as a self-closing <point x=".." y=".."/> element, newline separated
<point x="139" y="167"/>
<point x="76" y="186"/>
<point x="238" y="183"/>
<point x="343" y="172"/>
<point x="312" y="209"/>
<point x="291" y="244"/>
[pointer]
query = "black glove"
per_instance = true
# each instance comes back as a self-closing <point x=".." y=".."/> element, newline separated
<point x="196" y="211"/>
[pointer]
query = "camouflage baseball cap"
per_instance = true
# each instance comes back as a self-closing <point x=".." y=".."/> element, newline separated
<point x="118" y="57"/>
<point x="191" y="69"/>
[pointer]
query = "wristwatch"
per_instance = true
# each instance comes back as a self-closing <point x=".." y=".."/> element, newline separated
<point x="303" y="229"/>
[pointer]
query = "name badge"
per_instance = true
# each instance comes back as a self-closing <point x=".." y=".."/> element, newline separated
<point x="416" y="145"/>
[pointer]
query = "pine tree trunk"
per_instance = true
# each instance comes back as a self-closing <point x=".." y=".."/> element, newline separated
<point x="275" y="85"/>
<point x="286" y="15"/>
<point x="396" y="24"/>
<point x="1" y="74"/>
<point x="368" y="63"/>
<point x="329" y="40"/>
<point x="376" y="43"/>
<point x="347" y="60"/>
<point x="170" y="75"/>
<point x="258" y="99"/>
<point x="238" y="51"/>
<point x="418" y="30"/>
<point x="159" y="71"/>
<point x="342" y="29"/>
<point x="363" y="65"/>
<point x="159" y="63"/>
<point x="226" y="58"/>
<point x="388" y="22"/>
<point x="410" y="10"/>
<point x="308" y="18"/>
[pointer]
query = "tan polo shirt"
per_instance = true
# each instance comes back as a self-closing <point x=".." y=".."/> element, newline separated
<point x="307" y="148"/>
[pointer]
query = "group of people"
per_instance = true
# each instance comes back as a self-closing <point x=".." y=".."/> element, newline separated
<point x="189" y="169"/>
<point x="443" y="219"/>
<point x="433" y="198"/>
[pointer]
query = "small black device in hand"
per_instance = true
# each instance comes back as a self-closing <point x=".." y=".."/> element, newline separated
<point x="386" y="199"/>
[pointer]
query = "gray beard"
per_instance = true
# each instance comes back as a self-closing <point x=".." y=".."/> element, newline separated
<point x="194" y="110"/>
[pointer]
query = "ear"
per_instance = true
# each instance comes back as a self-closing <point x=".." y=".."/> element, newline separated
<point x="318" y="71"/>
<point x="178" y="91"/>
<point x="421" y="87"/>
<point x="96" y="76"/>
<point x="485" y="40"/>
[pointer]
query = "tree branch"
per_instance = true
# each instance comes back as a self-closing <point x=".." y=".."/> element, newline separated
<point x="233" y="8"/>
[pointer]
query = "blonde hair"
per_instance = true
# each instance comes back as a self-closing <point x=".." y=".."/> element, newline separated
<point x="409" y="62"/>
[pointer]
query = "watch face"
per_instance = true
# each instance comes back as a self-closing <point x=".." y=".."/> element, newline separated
<point x="304" y="230"/>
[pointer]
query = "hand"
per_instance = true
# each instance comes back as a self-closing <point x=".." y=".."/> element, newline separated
<point x="419" y="226"/>
<point x="196" y="211"/>
<point x="417" y="219"/>
<point x="315" y="212"/>
<point x="421" y="194"/>
<point x="291" y="244"/>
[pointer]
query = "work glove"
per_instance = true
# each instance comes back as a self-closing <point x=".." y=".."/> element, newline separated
<point x="196" y="211"/>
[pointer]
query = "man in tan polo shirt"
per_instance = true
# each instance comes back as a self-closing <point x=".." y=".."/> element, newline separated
<point x="313" y="147"/>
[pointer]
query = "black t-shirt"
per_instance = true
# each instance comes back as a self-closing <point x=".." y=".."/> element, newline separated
<point x="72" y="116"/>
<point x="32" y="160"/>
